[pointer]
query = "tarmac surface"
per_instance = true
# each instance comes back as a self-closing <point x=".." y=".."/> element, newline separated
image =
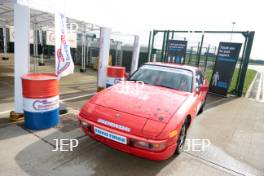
<point x="234" y="126"/>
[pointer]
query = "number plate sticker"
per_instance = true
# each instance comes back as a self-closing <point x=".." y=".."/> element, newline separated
<point x="109" y="135"/>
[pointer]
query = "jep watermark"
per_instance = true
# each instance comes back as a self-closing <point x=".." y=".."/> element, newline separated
<point x="196" y="145"/>
<point x="65" y="145"/>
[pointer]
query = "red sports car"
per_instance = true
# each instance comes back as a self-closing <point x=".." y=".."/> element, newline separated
<point x="149" y="114"/>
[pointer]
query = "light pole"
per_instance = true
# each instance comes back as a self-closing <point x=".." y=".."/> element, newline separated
<point x="233" y="25"/>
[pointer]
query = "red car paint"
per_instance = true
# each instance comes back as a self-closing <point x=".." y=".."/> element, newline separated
<point x="153" y="116"/>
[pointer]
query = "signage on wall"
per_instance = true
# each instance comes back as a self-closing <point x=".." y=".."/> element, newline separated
<point x="225" y="64"/>
<point x="12" y="35"/>
<point x="176" y="51"/>
<point x="50" y="37"/>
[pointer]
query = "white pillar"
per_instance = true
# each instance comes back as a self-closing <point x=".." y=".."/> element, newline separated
<point x="5" y="44"/>
<point x="22" y="28"/>
<point x="83" y="52"/>
<point x="135" y="56"/>
<point x="82" y="48"/>
<point x="34" y="43"/>
<point x="87" y="50"/>
<point x="34" y="40"/>
<point x="41" y="43"/>
<point x="104" y="47"/>
<point x="35" y="51"/>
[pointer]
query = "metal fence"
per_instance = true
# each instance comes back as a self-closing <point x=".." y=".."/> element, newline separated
<point x="203" y="56"/>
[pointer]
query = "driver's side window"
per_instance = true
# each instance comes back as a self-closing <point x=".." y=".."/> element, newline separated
<point x="199" y="79"/>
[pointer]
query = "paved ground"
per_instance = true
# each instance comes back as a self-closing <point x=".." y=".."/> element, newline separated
<point x="236" y="148"/>
<point x="234" y="126"/>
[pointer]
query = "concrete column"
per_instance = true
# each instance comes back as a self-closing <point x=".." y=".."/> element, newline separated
<point x="104" y="47"/>
<point x="84" y="51"/>
<point x="35" y="50"/>
<point x="41" y="62"/>
<point x="135" y="56"/>
<point x="35" y="45"/>
<point x="5" y="43"/>
<point x="34" y="39"/>
<point x="22" y="28"/>
<point x="83" y="69"/>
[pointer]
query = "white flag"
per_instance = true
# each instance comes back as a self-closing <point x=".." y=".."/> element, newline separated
<point x="64" y="63"/>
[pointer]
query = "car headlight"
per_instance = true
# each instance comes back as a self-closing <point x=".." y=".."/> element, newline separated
<point x="149" y="146"/>
<point x="84" y="124"/>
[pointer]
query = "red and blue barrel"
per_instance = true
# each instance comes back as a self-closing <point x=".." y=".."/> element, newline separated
<point x="40" y="100"/>
<point x="115" y="74"/>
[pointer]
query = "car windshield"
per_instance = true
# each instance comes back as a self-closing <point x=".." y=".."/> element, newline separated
<point x="174" y="78"/>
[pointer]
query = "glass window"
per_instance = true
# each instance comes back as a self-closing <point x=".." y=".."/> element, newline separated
<point x="199" y="79"/>
<point x="174" y="78"/>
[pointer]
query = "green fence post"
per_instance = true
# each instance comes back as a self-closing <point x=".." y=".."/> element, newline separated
<point x="241" y="62"/>
<point x="190" y="55"/>
<point x="166" y="45"/>
<point x="152" y="43"/>
<point x="149" y="47"/>
<point x="163" y="46"/>
<point x="246" y="61"/>
<point x="197" y="53"/>
<point x="206" y="57"/>
<point x="200" y="50"/>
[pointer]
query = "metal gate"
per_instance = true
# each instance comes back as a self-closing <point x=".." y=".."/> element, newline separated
<point x="202" y="55"/>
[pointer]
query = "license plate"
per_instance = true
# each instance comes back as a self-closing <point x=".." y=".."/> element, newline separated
<point x="109" y="135"/>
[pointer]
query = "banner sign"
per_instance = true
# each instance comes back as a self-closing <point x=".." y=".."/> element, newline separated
<point x="64" y="63"/>
<point x="12" y="35"/>
<point x="72" y="38"/>
<point x="50" y="38"/>
<point x="176" y="51"/>
<point x="225" y="64"/>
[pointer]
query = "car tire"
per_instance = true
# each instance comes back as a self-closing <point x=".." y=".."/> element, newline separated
<point x="181" y="138"/>
<point x="201" y="108"/>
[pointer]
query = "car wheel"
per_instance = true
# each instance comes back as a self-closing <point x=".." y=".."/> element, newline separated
<point x="201" y="108"/>
<point x="181" y="139"/>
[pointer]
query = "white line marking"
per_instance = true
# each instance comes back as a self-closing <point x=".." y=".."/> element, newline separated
<point x="5" y="112"/>
<point x="62" y="100"/>
<point x="77" y="97"/>
<point x="259" y="87"/>
<point x="262" y="88"/>
<point x="251" y="85"/>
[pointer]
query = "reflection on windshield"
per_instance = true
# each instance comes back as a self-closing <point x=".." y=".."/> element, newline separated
<point x="174" y="78"/>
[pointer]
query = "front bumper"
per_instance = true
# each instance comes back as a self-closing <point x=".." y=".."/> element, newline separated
<point x="128" y="148"/>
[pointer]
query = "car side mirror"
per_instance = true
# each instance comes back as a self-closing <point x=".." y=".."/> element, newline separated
<point x="205" y="82"/>
<point x="126" y="76"/>
<point x="203" y="88"/>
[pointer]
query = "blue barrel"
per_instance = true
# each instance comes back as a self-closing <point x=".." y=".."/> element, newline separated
<point x="40" y="100"/>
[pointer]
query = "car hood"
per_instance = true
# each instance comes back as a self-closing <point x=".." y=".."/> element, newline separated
<point x="152" y="102"/>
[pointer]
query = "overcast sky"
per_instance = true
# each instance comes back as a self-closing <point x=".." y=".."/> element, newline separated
<point x="141" y="16"/>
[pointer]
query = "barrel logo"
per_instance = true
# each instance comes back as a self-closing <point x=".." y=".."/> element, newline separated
<point x="117" y="80"/>
<point x="44" y="105"/>
<point x="111" y="81"/>
<point x="41" y="105"/>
